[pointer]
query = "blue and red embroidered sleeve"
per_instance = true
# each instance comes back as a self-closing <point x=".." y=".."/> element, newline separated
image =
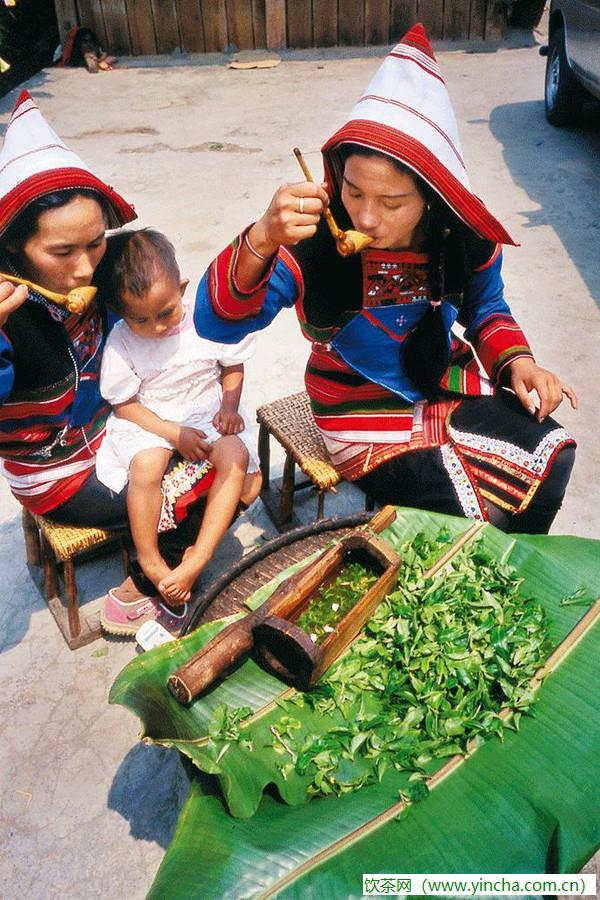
<point x="225" y="313"/>
<point x="7" y="372"/>
<point x="489" y="324"/>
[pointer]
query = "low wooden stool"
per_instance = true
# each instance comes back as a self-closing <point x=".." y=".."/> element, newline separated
<point x="291" y="423"/>
<point x="48" y="545"/>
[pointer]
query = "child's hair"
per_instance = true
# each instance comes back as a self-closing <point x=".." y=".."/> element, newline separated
<point x="138" y="259"/>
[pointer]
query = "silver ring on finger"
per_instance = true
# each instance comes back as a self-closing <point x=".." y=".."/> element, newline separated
<point x="300" y="205"/>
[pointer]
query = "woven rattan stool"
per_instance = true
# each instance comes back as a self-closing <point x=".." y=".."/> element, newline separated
<point x="290" y="422"/>
<point x="49" y="545"/>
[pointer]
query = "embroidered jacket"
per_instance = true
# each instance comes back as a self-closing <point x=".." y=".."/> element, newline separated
<point x="52" y="417"/>
<point x="357" y="313"/>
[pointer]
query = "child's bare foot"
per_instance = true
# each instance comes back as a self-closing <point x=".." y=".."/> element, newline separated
<point x="155" y="568"/>
<point x="177" y="585"/>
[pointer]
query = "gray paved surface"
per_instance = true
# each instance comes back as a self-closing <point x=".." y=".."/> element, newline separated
<point x="85" y="810"/>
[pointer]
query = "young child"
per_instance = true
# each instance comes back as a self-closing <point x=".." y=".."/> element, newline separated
<point x="170" y="390"/>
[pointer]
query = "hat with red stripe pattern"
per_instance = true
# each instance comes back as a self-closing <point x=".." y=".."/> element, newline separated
<point x="406" y="113"/>
<point x="34" y="161"/>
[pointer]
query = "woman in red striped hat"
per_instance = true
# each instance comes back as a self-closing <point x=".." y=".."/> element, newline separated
<point x="408" y="411"/>
<point x="53" y="216"/>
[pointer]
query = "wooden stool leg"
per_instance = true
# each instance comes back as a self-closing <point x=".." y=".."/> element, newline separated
<point x="286" y="506"/>
<point x="31" y="533"/>
<point x="50" y="571"/>
<point x="320" y="505"/>
<point x="72" y="600"/>
<point x="264" y="456"/>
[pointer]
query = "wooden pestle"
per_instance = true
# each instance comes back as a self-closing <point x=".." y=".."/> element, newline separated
<point x="220" y="654"/>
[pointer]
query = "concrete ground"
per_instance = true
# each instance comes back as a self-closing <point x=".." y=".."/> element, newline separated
<point x="87" y="811"/>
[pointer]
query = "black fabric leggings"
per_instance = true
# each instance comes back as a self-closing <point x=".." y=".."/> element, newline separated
<point x="419" y="479"/>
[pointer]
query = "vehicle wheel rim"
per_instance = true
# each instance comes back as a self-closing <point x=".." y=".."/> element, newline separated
<point x="552" y="78"/>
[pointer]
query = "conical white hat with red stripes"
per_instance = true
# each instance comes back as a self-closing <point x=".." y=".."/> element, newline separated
<point x="406" y="113"/>
<point x="34" y="161"/>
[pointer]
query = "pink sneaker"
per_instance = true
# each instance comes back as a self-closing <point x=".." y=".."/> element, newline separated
<point x="117" y="617"/>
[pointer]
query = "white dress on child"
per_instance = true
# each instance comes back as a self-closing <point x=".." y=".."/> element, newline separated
<point x="177" y="377"/>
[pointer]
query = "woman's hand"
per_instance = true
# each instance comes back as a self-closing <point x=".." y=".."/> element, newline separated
<point x="228" y="422"/>
<point x="292" y="216"/>
<point x="192" y="443"/>
<point x="11" y="298"/>
<point x="526" y="376"/>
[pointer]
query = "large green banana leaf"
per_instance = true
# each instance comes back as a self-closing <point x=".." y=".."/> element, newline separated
<point x="141" y="686"/>
<point x="528" y="804"/>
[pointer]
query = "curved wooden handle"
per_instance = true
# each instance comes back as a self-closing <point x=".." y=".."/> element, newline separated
<point x="333" y="227"/>
<point x="76" y="301"/>
<point x="50" y="295"/>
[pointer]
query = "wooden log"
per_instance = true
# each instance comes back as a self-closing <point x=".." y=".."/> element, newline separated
<point x="207" y="666"/>
<point x="288" y="651"/>
<point x="227" y="648"/>
<point x="354" y="620"/>
<point x="220" y="654"/>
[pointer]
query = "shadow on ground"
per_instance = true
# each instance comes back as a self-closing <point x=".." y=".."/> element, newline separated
<point x="560" y="171"/>
<point x="22" y="590"/>
<point x="148" y="790"/>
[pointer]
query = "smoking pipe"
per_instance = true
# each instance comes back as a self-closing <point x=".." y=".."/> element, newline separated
<point x="76" y="301"/>
<point x="347" y="242"/>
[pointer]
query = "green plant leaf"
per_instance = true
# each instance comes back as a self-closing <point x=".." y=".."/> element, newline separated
<point x="527" y="804"/>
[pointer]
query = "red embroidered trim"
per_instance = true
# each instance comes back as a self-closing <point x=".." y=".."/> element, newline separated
<point x="414" y="154"/>
<point x="491" y="260"/>
<point x="60" y="179"/>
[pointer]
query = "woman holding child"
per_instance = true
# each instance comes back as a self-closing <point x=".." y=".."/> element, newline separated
<point x="405" y="410"/>
<point x="53" y="215"/>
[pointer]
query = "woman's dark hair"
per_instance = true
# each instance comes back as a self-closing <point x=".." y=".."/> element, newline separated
<point x="136" y="259"/>
<point x="450" y="245"/>
<point x="26" y="223"/>
<point x="445" y="232"/>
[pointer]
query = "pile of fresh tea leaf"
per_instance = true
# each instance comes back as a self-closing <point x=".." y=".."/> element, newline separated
<point x="437" y="662"/>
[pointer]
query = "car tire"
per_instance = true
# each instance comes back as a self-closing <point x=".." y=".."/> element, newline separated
<point x="564" y="97"/>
